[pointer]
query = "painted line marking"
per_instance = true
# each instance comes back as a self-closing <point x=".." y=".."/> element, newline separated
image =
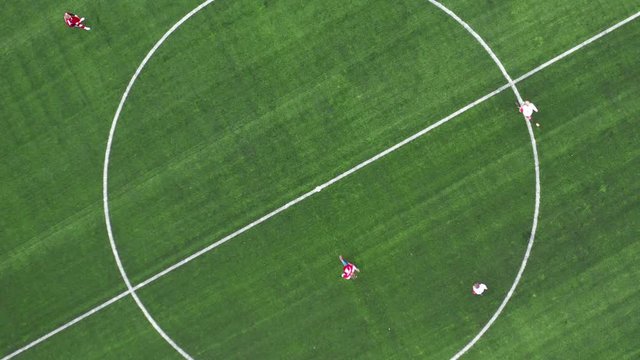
<point x="376" y="157"/>
<point x="579" y="46"/>
<point x="483" y="43"/>
<point x="105" y="180"/>
<point x="536" y="162"/>
<point x="424" y="131"/>
<point x="534" y="147"/>
<point x="67" y="325"/>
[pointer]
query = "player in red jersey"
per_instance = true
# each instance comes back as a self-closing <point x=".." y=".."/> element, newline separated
<point x="73" y="20"/>
<point x="349" y="271"/>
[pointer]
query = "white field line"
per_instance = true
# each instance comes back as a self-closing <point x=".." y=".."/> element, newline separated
<point x="484" y="45"/>
<point x="579" y="46"/>
<point x="105" y="179"/>
<point x="67" y="325"/>
<point x="534" y="147"/>
<point x="536" y="162"/>
<point x="320" y="188"/>
<point x="413" y="137"/>
<point x="527" y="253"/>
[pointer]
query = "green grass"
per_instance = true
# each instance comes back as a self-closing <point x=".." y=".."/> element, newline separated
<point x="238" y="162"/>
<point x="118" y="332"/>
<point x="247" y="106"/>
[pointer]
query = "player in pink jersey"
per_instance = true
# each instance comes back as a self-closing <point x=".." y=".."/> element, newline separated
<point x="73" y="20"/>
<point x="349" y="271"/>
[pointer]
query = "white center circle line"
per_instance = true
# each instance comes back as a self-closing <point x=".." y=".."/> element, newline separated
<point x="132" y="290"/>
<point x="525" y="76"/>
<point x="510" y="83"/>
<point x="536" y="162"/>
<point x="105" y="181"/>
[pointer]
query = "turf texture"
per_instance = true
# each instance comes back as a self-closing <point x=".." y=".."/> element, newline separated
<point x="250" y="104"/>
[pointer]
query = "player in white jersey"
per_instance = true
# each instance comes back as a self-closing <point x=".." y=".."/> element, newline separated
<point x="479" y="288"/>
<point x="527" y="109"/>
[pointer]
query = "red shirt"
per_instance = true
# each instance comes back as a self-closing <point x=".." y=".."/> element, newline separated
<point x="73" y="21"/>
<point x="348" y="271"/>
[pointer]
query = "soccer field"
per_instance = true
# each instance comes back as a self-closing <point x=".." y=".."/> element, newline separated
<point x="179" y="181"/>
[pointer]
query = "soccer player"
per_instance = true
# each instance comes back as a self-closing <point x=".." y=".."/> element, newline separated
<point x="348" y="269"/>
<point x="479" y="288"/>
<point x="527" y="108"/>
<point x="73" y="20"/>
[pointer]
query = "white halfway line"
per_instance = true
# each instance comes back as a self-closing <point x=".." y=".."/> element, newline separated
<point x="112" y="242"/>
<point x="319" y="188"/>
<point x="385" y="152"/>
